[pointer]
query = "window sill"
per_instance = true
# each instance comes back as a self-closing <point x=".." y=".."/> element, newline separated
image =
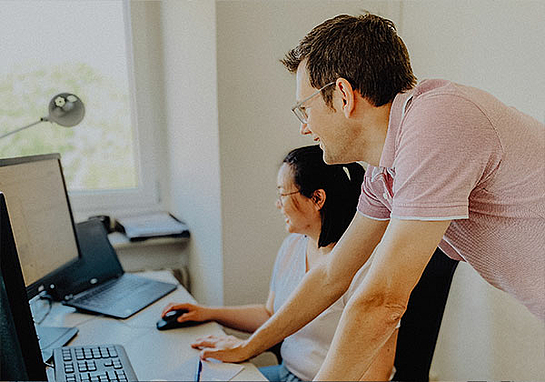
<point x="120" y="241"/>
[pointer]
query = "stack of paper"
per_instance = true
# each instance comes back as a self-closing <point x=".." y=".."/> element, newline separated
<point x="149" y="225"/>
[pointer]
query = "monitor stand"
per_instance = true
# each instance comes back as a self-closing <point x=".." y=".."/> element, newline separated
<point x="51" y="337"/>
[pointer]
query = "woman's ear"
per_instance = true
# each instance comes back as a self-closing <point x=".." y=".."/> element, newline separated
<point x="318" y="197"/>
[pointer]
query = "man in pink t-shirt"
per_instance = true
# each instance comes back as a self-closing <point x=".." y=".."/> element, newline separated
<point x="456" y="153"/>
<point x="449" y="166"/>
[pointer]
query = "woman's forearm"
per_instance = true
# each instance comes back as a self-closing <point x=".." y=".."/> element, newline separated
<point x="247" y="318"/>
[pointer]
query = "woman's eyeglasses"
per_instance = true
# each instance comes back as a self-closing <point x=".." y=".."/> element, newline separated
<point x="281" y="195"/>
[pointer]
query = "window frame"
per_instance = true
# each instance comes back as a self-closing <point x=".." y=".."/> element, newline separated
<point x="148" y="132"/>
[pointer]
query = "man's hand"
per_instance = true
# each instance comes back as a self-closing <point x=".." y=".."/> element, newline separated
<point x="223" y="348"/>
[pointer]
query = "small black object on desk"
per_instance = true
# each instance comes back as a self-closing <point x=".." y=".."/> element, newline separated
<point x="170" y="321"/>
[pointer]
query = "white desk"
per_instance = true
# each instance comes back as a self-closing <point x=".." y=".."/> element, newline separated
<point x="153" y="353"/>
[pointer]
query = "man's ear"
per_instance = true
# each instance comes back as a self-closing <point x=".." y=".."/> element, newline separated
<point x="347" y="96"/>
<point x="318" y="197"/>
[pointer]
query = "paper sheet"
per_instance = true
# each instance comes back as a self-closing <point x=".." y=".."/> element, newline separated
<point x="212" y="370"/>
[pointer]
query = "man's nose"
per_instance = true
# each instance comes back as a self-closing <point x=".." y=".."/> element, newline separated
<point x="304" y="130"/>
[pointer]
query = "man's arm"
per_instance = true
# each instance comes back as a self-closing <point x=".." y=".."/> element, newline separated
<point x="376" y="307"/>
<point x="320" y="288"/>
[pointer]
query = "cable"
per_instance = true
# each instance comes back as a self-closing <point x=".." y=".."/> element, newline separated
<point x="45" y="296"/>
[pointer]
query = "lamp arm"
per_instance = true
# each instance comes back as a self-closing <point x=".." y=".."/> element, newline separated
<point x="44" y="119"/>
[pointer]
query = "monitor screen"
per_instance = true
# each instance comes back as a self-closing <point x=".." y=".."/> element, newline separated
<point x="20" y="355"/>
<point x="41" y="218"/>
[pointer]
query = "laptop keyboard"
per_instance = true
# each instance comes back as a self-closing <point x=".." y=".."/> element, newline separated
<point x="93" y="363"/>
<point x="121" y="297"/>
<point x="110" y="292"/>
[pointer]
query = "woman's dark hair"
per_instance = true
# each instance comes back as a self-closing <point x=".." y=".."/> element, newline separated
<point x="341" y="183"/>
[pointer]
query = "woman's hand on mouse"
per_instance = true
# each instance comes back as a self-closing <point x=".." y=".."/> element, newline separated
<point x="194" y="312"/>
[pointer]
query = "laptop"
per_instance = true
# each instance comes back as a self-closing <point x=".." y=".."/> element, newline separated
<point x="53" y="260"/>
<point x="100" y="284"/>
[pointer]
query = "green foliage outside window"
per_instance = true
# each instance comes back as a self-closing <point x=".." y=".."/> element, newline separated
<point x="96" y="154"/>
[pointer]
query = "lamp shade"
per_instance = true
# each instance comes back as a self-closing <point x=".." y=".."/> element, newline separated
<point x="65" y="109"/>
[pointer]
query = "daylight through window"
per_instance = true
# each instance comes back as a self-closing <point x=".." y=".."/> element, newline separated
<point x="80" y="47"/>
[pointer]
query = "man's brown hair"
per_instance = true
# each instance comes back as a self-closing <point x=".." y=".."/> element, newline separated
<point x="365" y="50"/>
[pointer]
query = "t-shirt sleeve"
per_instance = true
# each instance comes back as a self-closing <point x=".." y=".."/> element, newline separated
<point x="369" y="204"/>
<point x="445" y="148"/>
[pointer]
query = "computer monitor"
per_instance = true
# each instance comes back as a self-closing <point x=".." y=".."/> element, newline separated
<point x="42" y="221"/>
<point x="20" y="355"/>
<point x="44" y="234"/>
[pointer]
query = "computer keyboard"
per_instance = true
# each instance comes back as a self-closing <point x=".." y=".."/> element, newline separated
<point x="93" y="363"/>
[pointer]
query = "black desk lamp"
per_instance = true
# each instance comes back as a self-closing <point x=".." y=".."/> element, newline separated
<point x="65" y="109"/>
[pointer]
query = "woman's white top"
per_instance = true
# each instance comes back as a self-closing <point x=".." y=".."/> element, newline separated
<point x="304" y="351"/>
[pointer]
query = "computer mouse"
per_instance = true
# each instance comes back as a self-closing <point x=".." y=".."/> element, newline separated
<point x="169" y="321"/>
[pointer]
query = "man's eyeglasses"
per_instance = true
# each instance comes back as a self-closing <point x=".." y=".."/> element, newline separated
<point x="281" y="195"/>
<point x="299" y="109"/>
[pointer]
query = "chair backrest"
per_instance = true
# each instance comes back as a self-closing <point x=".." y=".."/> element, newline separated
<point x="421" y="322"/>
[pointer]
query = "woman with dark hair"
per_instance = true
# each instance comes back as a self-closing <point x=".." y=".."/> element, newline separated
<point x="318" y="202"/>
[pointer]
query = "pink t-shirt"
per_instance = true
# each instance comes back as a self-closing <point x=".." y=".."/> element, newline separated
<point x="454" y="152"/>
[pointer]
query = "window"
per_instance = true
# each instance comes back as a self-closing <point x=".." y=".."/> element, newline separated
<point x="85" y="48"/>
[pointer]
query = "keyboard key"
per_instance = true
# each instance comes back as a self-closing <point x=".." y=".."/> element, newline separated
<point x="66" y="356"/>
<point x="112" y="352"/>
<point x="104" y="352"/>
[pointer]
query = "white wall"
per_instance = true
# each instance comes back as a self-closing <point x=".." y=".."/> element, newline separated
<point x="257" y="129"/>
<point x="496" y="45"/>
<point x="189" y="48"/>
<point x="227" y="109"/>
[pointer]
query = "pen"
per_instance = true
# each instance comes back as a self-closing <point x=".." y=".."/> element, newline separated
<point x="198" y="372"/>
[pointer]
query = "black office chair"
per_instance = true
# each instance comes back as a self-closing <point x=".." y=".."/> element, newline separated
<point x="421" y="322"/>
